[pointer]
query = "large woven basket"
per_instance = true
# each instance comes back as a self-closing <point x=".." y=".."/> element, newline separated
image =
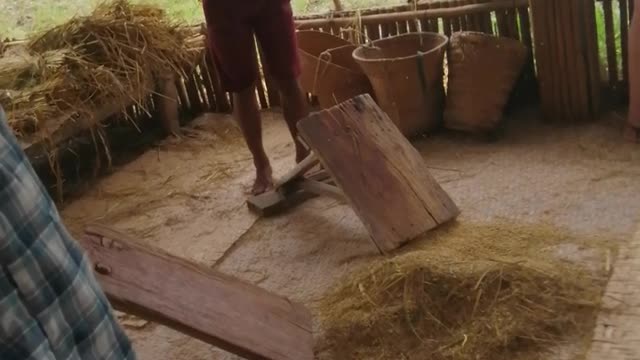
<point x="483" y="70"/>
<point x="328" y="69"/>
<point x="406" y="72"/>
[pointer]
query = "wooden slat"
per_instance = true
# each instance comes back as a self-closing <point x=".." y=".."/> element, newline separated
<point x="182" y="94"/>
<point x="525" y="27"/>
<point x="206" y="74"/>
<point x="529" y="72"/>
<point x="612" y="64"/>
<point x="192" y="93"/>
<point x="260" y="87"/>
<point x="560" y="54"/>
<point x="202" y="90"/>
<point x="465" y="21"/>
<point x="448" y="26"/>
<point x="215" y="308"/>
<point x="382" y="175"/>
<point x="271" y="86"/>
<point x="503" y="23"/>
<point x="575" y="71"/>
<point x="587" y="20"/>
<point x="543" y="54"/>
<point x="512" y="23"/>
<point x="413" y="25"/>
<point x="624" y="41"/>
<point x="165" y="101"/>
<point x="402" y="27"/>
<point x="221" y="97"/>
<point x="393" y="28"/>
<point x="385" y="29"/>
<point x="373" y="32"/>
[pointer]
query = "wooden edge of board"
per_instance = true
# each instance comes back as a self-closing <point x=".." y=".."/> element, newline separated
<point x="302" y="167"/>
<point x="321" y="188"/>
<point x="100" y="236"/>
<point x="110" y="238"/>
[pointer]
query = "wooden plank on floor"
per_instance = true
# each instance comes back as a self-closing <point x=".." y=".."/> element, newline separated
<point x="196" y="300"/>
<point x="382" y="175"/>
<point x="617" y="333"/>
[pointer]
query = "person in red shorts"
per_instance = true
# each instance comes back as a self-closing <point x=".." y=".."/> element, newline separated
<point x="231" y="26"/>
<point x="632" y="128"/>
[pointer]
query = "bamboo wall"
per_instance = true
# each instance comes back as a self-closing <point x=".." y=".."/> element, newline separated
<point x="615" y="66"/>
<point x="201" y="91"/>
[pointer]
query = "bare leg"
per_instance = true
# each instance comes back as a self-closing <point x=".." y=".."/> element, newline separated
<point x="295" y="108"/>
<point x="247" y="113"/>
<point x="633" y="123"/>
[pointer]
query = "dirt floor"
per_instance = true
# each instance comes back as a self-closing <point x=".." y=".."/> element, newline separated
<point x="187" y="197"/>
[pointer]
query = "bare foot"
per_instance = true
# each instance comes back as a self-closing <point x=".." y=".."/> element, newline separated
<point x="264" y="181"/>
<point x="631" y="133"/>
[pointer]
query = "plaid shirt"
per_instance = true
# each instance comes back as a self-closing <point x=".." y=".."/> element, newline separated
<point x="51" y="306"/>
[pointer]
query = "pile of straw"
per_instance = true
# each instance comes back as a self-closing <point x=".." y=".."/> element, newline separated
<point x="109" y="58"/>
<point x="471" y="293"/>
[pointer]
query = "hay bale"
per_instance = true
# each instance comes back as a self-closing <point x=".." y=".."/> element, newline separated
<point x="471" y="293"/>
<point x="111" y="56"/>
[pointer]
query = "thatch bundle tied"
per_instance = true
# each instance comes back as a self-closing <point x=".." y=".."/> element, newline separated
<point x="111" y="57"/>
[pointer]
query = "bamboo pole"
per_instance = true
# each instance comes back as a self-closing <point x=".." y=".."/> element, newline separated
<point x="624" y="40"/>
<point x="611" y="45"/>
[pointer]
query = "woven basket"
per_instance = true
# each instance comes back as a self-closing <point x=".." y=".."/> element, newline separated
<point x="483" y="70"/>
<point x="328" y="69"/>
<point x="339" y="77"/>
<point x="406" y="73"/>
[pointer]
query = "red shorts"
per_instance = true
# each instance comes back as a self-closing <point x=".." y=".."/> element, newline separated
<point x="231" y="25"/>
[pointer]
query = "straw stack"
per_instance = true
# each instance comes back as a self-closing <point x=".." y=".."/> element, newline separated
<point x="111" y="56"/>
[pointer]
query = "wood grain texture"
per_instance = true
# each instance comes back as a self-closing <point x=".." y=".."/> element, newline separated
<point x="382" y="175"/>
<point x="196" y="300"/>
<point x="617" y="333"/>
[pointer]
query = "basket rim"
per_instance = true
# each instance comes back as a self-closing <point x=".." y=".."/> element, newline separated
<point x="444" y="42"/>
<point x="329" y="63"/>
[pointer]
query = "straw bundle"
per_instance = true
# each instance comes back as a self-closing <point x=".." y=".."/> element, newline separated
<point x="110" y="57"/>
<point x="472" y="293"/>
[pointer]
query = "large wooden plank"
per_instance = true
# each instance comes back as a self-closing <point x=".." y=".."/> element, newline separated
<point x="617" y="333"/>
<point x="382" y="175"/>
<point x="218" y="309"/>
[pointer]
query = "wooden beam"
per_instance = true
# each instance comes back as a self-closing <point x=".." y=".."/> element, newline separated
<point x="381" y="174"/>
<point x="198" y="301"/>
<point x="410" y="15"/>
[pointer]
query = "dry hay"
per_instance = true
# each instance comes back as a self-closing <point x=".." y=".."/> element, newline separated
<point x="110" y="58"/>
<point x="467" y="293"/>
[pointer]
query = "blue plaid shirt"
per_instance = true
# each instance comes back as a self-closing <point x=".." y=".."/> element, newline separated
<point x="51" y="307"/>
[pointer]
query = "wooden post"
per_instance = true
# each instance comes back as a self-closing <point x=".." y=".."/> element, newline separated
<point x="567" y="58"/>
<point x="166" y="104"/>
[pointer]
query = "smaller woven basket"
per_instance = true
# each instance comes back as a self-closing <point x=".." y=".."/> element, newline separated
<point x="483" y="69"/>
<point x="328" y="69"/>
